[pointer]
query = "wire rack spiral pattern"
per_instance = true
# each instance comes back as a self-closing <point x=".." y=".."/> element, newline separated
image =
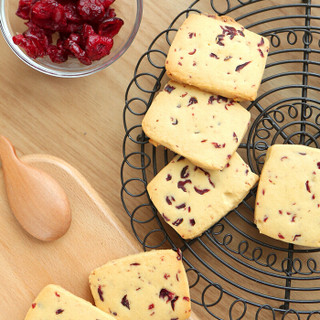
<point x="233" y="271"/>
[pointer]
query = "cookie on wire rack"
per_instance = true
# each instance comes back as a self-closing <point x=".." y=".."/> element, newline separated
<point x="288" y="197"/>
<point x="217" y="54"/>
<point x="191" y="199"/>
<point x="202" y="127"/>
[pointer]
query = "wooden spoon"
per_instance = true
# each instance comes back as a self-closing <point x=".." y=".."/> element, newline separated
<point x="37" y="201"/>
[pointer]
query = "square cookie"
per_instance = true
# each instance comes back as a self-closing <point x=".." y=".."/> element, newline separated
<point x="217" y="54"/>
<point x="54" y="302"/>
<point x="204" y="128"/>
<point x="191" y="199"/>
<point x="288" y="197"/>
<point x="149" y="285"/>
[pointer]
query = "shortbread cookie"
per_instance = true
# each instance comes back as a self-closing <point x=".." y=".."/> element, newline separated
<point x="54" y="303"/>
<point x="218" y="55"/>
<point x="191" y="199"/>
<point x="288" y="197"/>
<point x="150" y="285"/>
<point x="204" y="128"/>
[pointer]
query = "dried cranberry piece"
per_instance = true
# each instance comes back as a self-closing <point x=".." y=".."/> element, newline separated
<point x="169" y="88"/>
<point x="76" y="50"/>
<point x="110" y="27"/>
<point x="90" y="10"/>
<point x="24" y="9"/>
<point x="56" y="54"/>
<point x="201" y="191"/>
<point x="59" y="311"/>
<point x="107" y="3"/>
<point x="241" y="66"/>
<point x="28" y="45"/>
<point x="166" y="294"/>
<point x="184" y="174"/>
<point x="177" y="222"/>
<point x="71" y="12"/>
<point x="100" y="292"/>
<point x="173" y="302"/>
<point x="97" y="47"/>
<point x="181" y="184"/>
<point x="48" y="14"/>
<point x="125" y="302"/>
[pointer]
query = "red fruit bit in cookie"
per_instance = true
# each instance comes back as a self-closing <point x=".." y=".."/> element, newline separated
<point x="313" y="196"/>
<point x="151" y="306"/>
<point x="265" y="219"/>
<point x="235" y="137"/>
<point x="186" y="299"/>
<point x="241" y="66"/>
<point x="33" y="305"/>
<point x="165" y="217"/>
<point x="308" y="186"/>
<point x="280" y="236"/>
<point x="227" y="58"/>
<point x="201" y="191"/>
<point x="261" y="53"/>
<point x="59" y="311"/>
<point x="192" y="100"/>
<point x="169" y="177"/>
<point x="166" y="276"/>
<point x="181" y="185"/>
<point x="318" y="164"/>
<point x="169" y="88"/>
<point x="168" y="201"/>
<point x="100" y="293"/>
<point x="293" y="218"/>
<point x="231" y="31"/>
<point x="135" y="264"/>
<point x="125" y="302"/>
<point x="263" y="192"/>
<point x="184" y="174"/>
<point x="283" y="158"/>
<point x="296" y="237"/>
<point x="261" y="43"/>
<point x="302" y="153"/>
<point x="192" y="222"/>
<point x="173" y="302"/>
<point x="192" y="34"/>
<point x="219" y="40"/>
<point x="174" y="121"/>
<point x="181" y="206"/>
<point x="213" y="55"/>
<point x="205" y="140"/>
<point x="166" y="295"/>
<point x="57" y="294"/>
<point x="177" y="222"/>
<point x="193" y="52"/>
<point x="280" y="211"/>
<point x="217" y="145"/>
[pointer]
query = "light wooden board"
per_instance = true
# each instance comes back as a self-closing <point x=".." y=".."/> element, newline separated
<point x="27" y="265"/>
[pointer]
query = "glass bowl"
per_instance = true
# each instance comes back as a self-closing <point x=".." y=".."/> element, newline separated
<point x="130" y="11"/>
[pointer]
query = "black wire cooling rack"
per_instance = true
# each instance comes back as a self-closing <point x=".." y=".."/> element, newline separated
<point x="234" y="272"/>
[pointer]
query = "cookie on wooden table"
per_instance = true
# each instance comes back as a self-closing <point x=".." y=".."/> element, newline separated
<point x="191" y="199"/>
<point x="150" y="285"/>
<point x="204" y="128"/>
<point x="217" y="54"/>
<point x="54" y="303"/>
<point x="288" y="197"/>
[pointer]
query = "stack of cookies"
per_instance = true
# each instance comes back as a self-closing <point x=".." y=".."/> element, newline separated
<point x="213" y="63"/>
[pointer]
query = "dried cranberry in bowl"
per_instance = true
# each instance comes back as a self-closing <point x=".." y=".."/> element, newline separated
<point x="61" y="29"/>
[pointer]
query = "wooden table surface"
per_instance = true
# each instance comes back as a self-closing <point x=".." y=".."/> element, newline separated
<point x="79" y="120"/>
